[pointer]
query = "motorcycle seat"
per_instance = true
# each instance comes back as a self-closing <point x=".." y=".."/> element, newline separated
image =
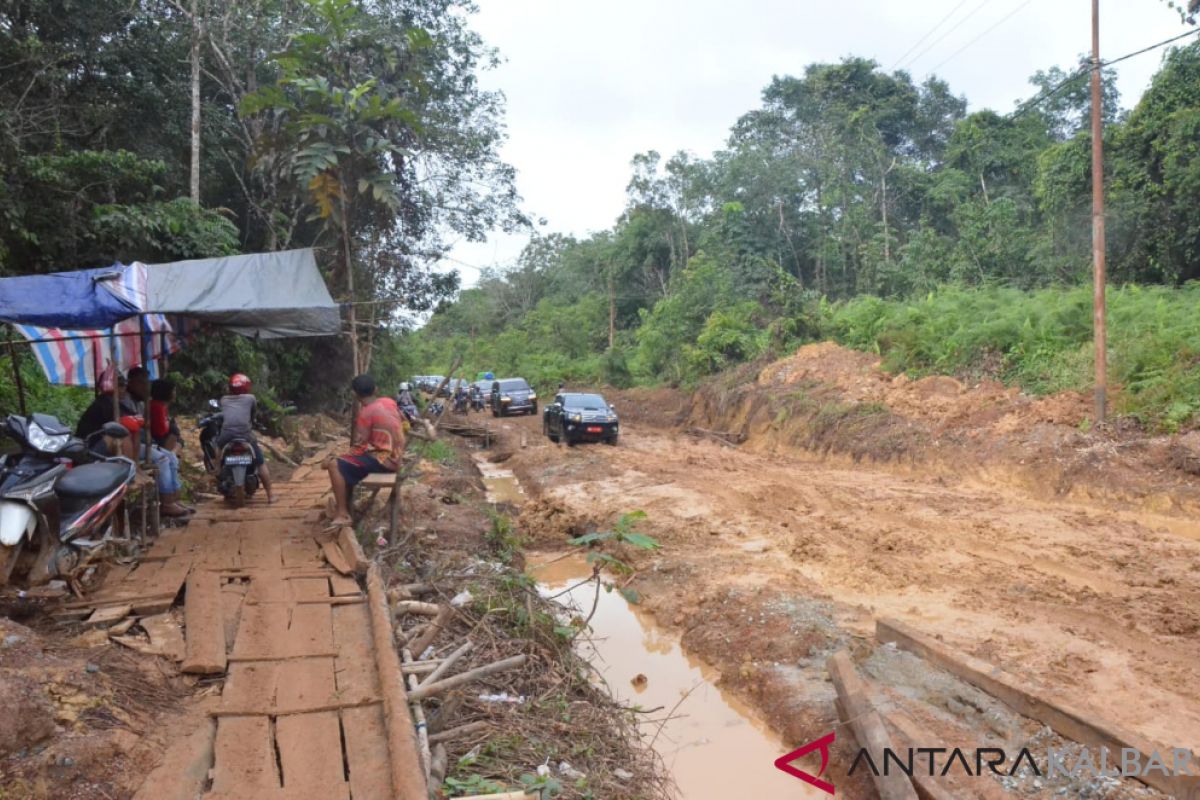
<point x="92" y="480"/>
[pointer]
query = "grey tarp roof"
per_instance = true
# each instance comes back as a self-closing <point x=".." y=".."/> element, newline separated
<point x="269" y="295"/>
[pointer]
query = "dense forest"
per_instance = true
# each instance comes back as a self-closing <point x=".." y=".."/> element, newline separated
<point x="359" y="129"/>
<point x="858" y="205"/>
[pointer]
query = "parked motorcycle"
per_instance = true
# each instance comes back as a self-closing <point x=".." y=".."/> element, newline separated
<point x="58" y="496"/>
<point x="477" y="401"/>
<point x="233" y="464"/>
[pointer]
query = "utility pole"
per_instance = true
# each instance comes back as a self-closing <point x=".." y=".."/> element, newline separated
<point x="612" y="310"/>
<point x="1099" y="323"/>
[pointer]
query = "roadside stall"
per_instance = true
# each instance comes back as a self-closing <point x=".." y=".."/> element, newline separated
<point x="87" y="326"/>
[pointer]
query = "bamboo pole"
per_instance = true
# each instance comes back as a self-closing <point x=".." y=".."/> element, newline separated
<point x="431" y="689"/>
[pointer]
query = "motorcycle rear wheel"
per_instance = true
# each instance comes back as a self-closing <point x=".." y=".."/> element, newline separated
<point x="238" y="498"/>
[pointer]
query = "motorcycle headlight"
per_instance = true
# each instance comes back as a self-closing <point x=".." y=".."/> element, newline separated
<point x="45" y="442"/>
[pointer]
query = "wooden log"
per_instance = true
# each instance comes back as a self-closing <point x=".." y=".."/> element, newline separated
<point x="932" y="787"/>
<point x="459" y="732"/>
<point x="448" y="662"/>
<point x="417" y="607"/>
<point x="408" y="775"/>
<point x="1082" y="725"/>
<point x="520" y="794"/>
<point x="867" y="726"/>
<point x="429" y="690"/>
<point x="437" y="626"/>
<point x="438" y="765"/>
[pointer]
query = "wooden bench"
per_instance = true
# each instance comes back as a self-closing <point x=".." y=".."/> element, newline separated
<point x="376" y="481"/>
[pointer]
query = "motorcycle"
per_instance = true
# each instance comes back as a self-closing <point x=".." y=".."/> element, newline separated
<point x="233" y="464"/>
<point x="477" y="401"/>
<point x="58" y="496"/>
<point x="460" y="403"/>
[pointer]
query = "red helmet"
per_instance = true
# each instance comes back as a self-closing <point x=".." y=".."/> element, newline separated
<point x="239" y="384"/>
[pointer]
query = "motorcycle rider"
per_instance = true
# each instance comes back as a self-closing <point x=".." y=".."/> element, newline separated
<point x="239" y="407"/>
<point x="406" y="402"/>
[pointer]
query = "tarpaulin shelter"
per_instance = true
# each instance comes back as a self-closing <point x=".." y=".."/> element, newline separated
<point x="132" y="313"/>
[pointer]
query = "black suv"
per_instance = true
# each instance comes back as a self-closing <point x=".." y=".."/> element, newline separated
<point x="575" y="417"/>
<point x="511" y="395"/>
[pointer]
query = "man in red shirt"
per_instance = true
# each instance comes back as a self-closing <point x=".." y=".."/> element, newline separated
<point x="377" y="446"/>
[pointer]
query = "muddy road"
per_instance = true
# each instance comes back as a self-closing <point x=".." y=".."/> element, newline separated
<point x="768" y="564"/>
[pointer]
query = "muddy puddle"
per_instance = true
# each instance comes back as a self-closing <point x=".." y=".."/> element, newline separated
<point x="499" y="482"/>
<point x="715" y="746"/>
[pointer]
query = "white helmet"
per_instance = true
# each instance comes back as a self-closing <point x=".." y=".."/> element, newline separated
<point x="404" y="387"/>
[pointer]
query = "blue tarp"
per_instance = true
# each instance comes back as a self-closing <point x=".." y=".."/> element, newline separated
<point x="86" y="298"/>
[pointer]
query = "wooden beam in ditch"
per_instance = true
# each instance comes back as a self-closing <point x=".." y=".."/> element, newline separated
<point x="868" y="726"/>
<point x="1080" y="725"/>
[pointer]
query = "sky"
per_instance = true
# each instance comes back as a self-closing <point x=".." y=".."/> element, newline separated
<point x="588" y="85"/>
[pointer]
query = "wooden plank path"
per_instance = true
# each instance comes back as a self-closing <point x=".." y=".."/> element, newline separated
<point x="311" y="707"/>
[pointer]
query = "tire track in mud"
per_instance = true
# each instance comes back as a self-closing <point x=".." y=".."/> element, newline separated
<point x="1094" y="606"/>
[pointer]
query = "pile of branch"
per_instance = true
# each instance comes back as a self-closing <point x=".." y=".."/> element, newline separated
<point x="476" y="670"/>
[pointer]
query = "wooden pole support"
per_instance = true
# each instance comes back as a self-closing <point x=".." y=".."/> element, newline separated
<point x="867" y="726"/>
<point x="439" y="623"/>
<point x="1084" y="727"/>
<point x="448" y="662"/>
<point x="461" y="730"/>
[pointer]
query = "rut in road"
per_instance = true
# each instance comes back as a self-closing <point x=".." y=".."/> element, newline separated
<point x="303" y="711"/>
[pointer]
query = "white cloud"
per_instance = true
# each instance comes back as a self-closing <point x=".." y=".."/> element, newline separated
<point x="591" y="84"/>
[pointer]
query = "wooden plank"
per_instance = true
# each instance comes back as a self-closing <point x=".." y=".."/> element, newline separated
<point x="261" y="709"/>
<point x="233" y="594"/>
<point x="379" y="480"/>
<point x="305" y="683"/>
<point x="310" y="630"/>
<point x="867" y="726"/>
<point x="310" y="589"/>
<point x="333" y="554"/>
<point x="165" y="636"/>
<point x="355" y="671"/>
<point x="183" y="771"/>
<point x="1082" y="725"/>
<point x="105" y="617"/>
<point x="367" y="753"/>
<point x="262" y="632"/>
<point x="352" y="550"/>
<point x="250" y="685"/>
<point x="344" y="586"/>
<point x="300" y="552"/>
<point x="260" y="552"/>
<point x="931" y="787"/>
<point x="245" y="756"/>
<point x="204" y="619"/>
<point x="310" y="752"/>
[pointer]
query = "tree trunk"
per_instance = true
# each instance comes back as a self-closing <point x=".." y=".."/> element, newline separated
<point x="349" y="266"/>
<point x="197" y="32"/>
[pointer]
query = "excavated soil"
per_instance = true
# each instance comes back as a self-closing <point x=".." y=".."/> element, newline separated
<point x="775" y="554"/>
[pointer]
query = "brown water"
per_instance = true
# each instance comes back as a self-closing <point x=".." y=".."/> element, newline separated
<point x="501" y="484"/>
<point x="715" y="746"/>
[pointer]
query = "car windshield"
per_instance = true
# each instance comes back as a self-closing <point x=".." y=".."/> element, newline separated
<point x="585" y="402"/>
<point x="518" y="385"/>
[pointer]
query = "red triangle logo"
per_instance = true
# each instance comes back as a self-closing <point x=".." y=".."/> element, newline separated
<point x="823" y="744"/>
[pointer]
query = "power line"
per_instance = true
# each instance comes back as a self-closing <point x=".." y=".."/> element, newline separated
<point x="942" y="38"/>
<point x="930" y="32"/>
<point x="966" y="46"/>
<point x="1046" y="94"/>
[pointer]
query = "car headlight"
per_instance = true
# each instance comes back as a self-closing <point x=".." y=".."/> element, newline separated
<point x="506" y="399"/>
<point x="577" y="418"/>
<point x="45" y="442"/>
<point x="533" y="397"/>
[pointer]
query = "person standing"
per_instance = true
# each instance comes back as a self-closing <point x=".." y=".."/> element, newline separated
<point x="137" y="388"/>
<point x="377" y="446"/>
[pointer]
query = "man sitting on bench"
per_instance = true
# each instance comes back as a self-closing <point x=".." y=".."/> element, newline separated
<point x="377" y="446"/>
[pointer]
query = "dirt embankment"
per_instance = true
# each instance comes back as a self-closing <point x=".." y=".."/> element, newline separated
<point x="840" y="403"/>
